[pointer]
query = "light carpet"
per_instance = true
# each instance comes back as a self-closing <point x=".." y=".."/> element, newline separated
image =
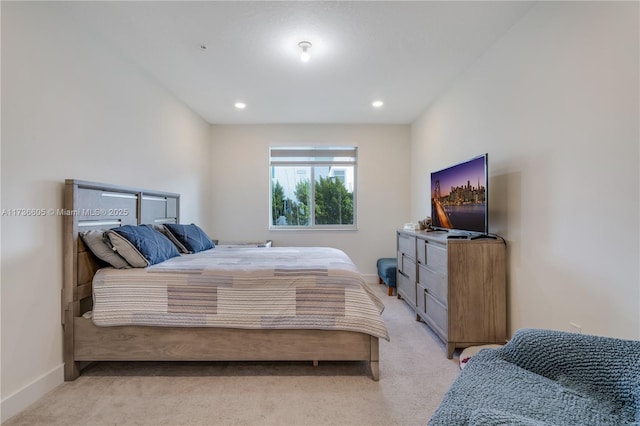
<point x="414" y="375"/>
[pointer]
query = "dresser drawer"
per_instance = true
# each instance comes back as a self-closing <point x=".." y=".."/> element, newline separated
<point x="407" y="245"/>
<point x="406" y="288"/>
<point x="436" y="315"/>
<point x="436" y="257"/>
<point x="421" y="293"/>
<point x="407" y="266"/>
<point x="421" y="251"/>
<point x="434" y="282"/>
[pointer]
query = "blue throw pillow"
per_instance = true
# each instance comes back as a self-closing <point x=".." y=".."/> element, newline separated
<point x="152" y="246"/>
<point x="191" y="236"/>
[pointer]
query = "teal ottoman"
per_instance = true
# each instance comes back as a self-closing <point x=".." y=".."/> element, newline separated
<point x="387" y="267"/>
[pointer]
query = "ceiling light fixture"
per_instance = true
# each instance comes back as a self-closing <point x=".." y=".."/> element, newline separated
<point x="305" y="46"/>
<point x="377" y="104"/>
<point x="240" y="105"/>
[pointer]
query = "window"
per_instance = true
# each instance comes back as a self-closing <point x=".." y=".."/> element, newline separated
<point x="313" y="188"/>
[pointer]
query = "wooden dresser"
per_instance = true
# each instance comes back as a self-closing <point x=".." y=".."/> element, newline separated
<point x="456" y="286"/>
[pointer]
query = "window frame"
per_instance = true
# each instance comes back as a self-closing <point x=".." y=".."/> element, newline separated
<point x="314" y="160"/>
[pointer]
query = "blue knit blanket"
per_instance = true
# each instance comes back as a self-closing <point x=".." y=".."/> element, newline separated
<point x="544" y="377"/>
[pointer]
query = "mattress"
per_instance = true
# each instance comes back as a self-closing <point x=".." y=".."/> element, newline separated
<point x="256" y="288"/>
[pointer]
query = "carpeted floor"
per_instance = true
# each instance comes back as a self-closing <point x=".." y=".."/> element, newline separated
<point x="414" y="375"/>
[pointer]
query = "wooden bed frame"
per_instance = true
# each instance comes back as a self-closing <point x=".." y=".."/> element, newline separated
<point x="90" y="205"/>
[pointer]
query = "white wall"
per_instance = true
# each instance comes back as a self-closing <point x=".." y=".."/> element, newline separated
<point x="555" y="104"/>
<point x="72" y="108"/>
<point x="241" y="179"/>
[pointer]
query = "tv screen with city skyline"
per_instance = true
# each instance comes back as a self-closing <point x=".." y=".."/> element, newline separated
<point x="459" y="197"/>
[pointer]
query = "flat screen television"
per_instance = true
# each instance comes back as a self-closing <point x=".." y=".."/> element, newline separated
<point x="459" y="197"/>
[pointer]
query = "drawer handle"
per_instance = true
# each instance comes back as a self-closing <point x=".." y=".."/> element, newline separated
<point x="403" y="274"/>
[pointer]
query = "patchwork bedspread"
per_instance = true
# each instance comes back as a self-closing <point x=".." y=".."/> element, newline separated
<point x="279" y="287"/>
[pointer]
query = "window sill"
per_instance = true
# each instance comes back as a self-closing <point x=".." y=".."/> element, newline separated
<point x="314" y="228"/>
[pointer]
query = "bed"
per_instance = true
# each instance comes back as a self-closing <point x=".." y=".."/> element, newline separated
<point x="235" y="332"/>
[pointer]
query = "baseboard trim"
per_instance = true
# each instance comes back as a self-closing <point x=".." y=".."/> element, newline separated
<point x="370" y="278"/>
<point x="27" y="395"/>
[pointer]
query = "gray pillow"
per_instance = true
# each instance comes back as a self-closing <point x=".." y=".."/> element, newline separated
<point x="127" y="250"/>
<point x="95" y="240"/>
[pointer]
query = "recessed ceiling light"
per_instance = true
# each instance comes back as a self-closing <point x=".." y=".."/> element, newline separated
<point x="377" y="104"/>
<point x="240" y="105"/>
<point x="305" y="46"/>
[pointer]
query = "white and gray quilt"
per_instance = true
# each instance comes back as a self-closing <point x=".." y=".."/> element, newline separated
<point x="279" y="287"/>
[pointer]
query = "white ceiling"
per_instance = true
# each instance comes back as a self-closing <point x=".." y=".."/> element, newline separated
<point x="404" y="53"/>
